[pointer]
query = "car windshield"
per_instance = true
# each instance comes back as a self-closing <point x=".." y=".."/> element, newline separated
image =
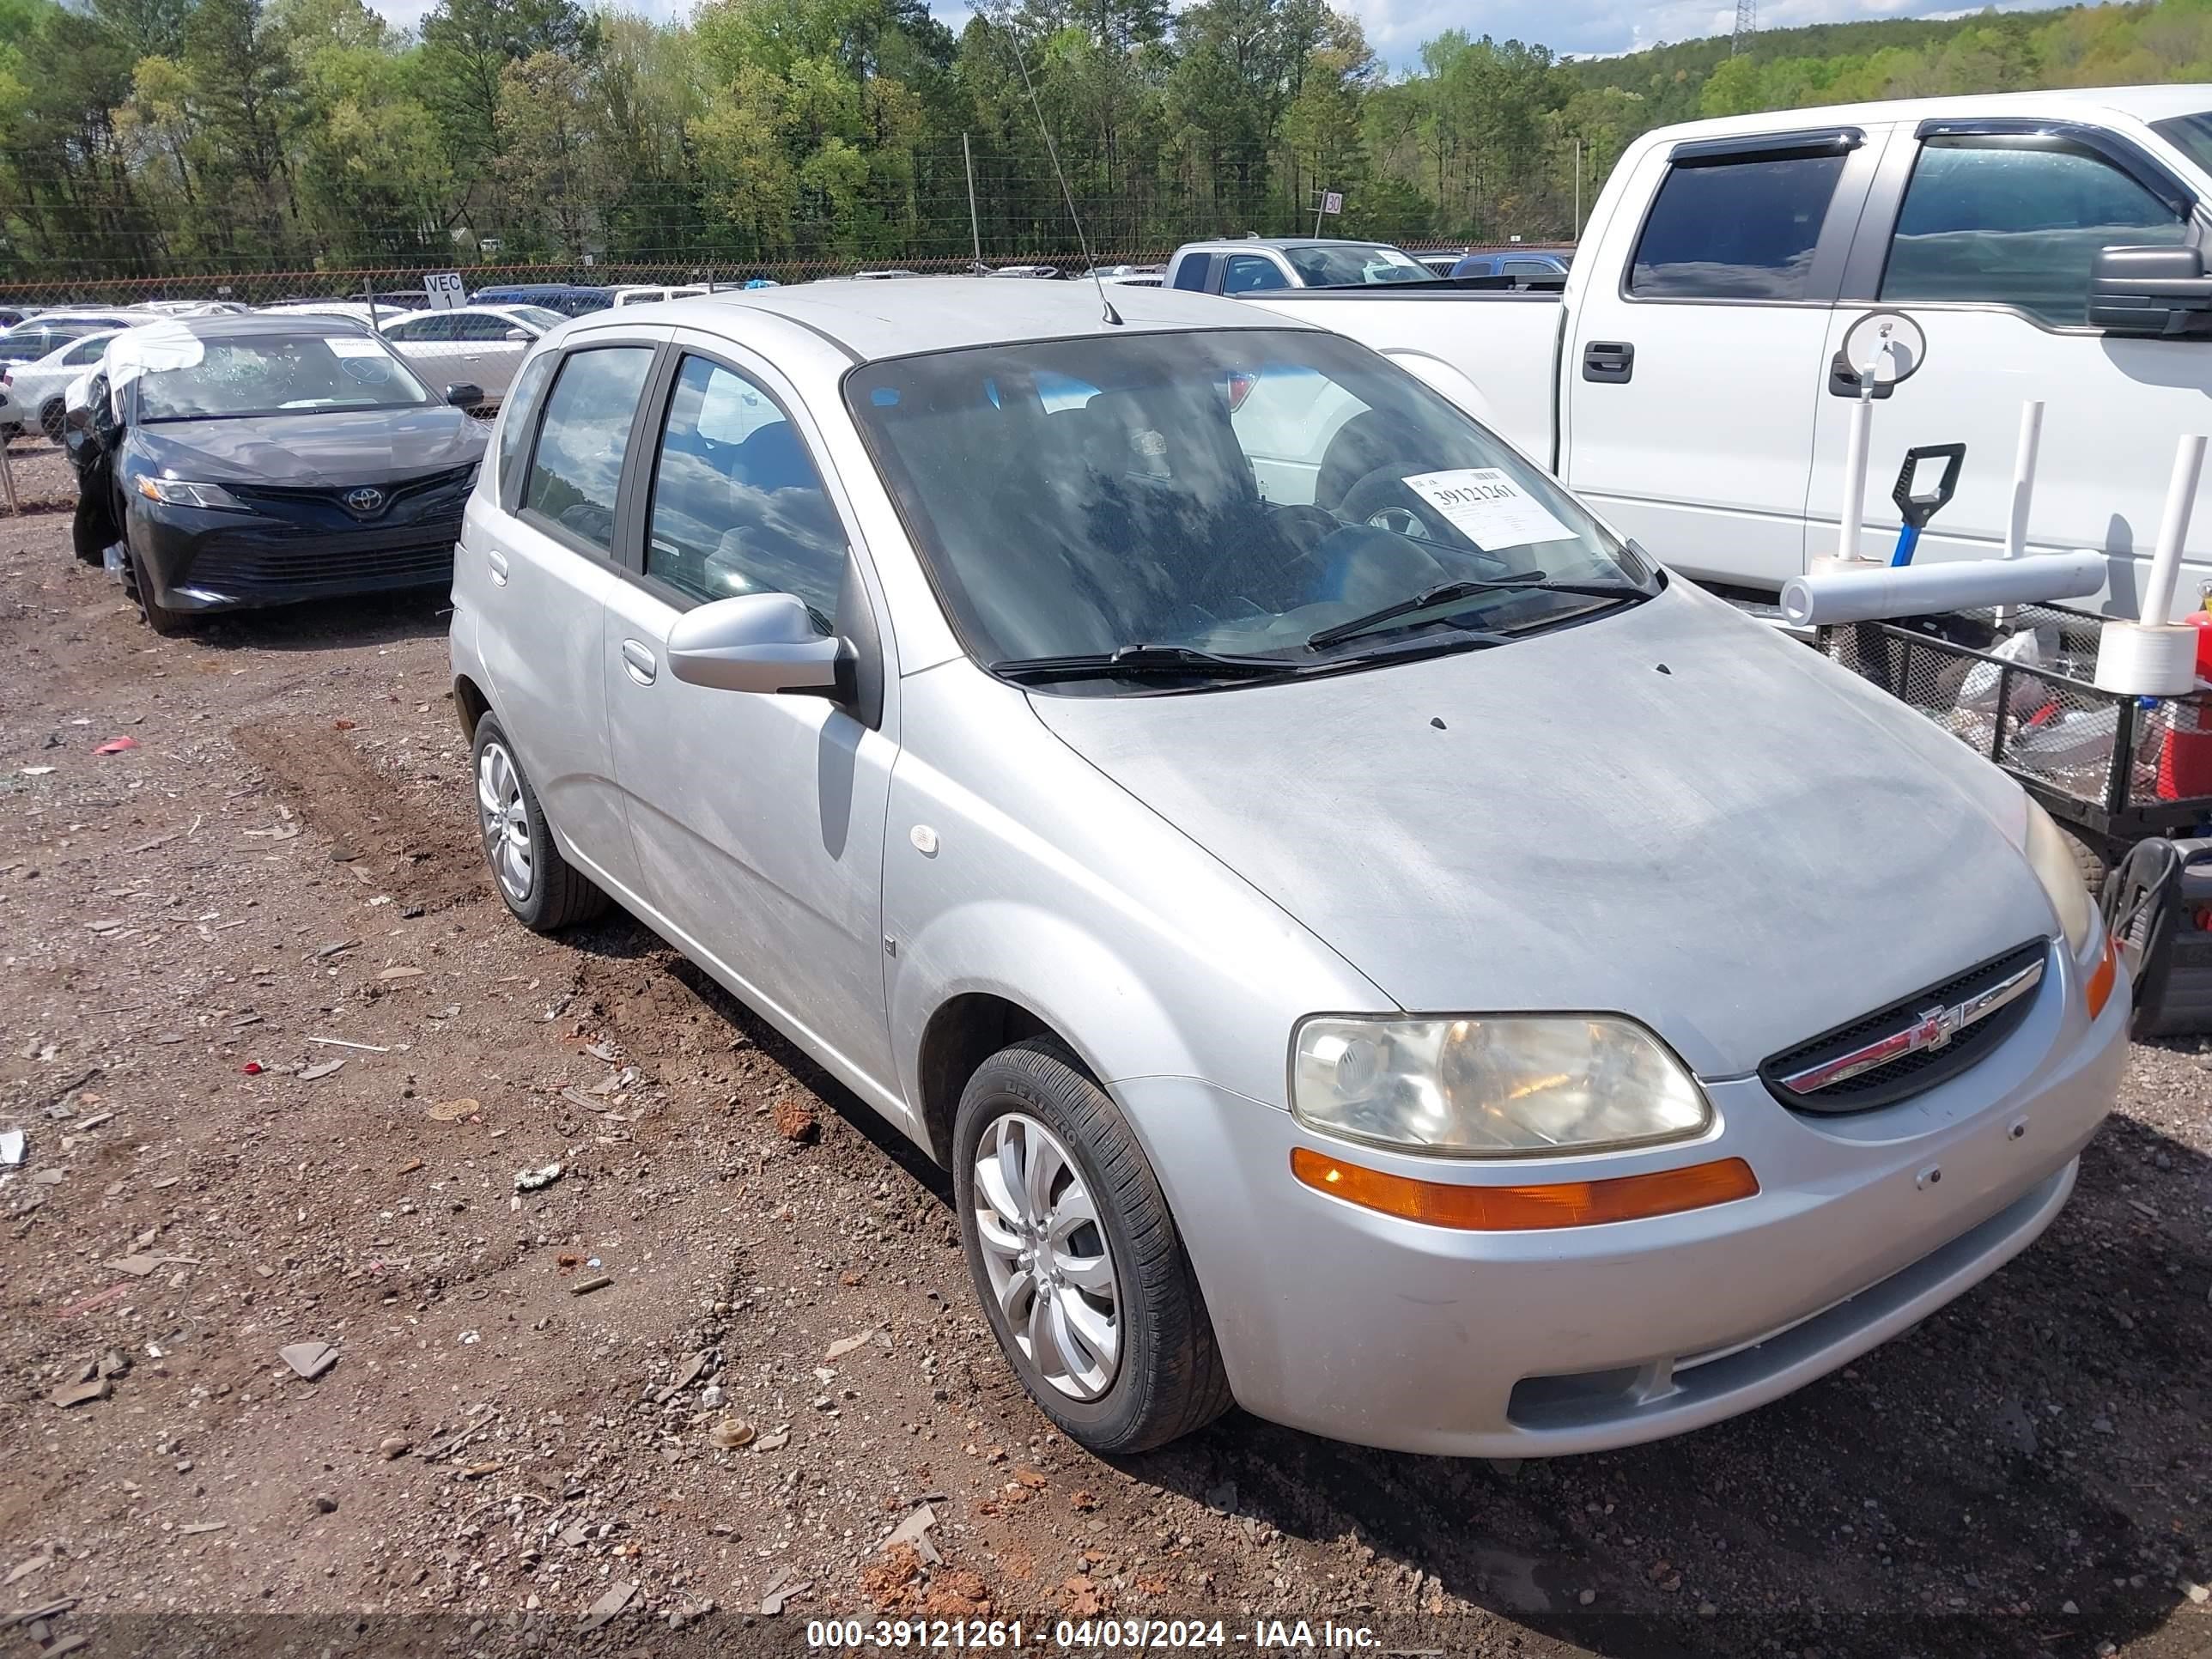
<point x="1348" y="264"/>
<point x="276" y="374"/>
<point x="2190" y="134"/>
<point x="537" y="316"/>
<point x="1227" y="491"/>
<point x="29" y="342"/>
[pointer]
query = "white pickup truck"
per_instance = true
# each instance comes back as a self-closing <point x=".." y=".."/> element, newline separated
<point x="1687" y="381"/>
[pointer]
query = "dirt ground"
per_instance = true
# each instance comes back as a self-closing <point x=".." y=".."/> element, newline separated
<point x="280" y="1053"/>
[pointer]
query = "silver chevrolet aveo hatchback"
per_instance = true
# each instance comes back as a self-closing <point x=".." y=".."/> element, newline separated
<point x="1369" y="944"/>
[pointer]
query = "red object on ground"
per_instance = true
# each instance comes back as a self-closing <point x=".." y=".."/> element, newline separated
<point x="116" y="745"/>
<point x="2184" y="766"/>
<point x="252" y="1068"/>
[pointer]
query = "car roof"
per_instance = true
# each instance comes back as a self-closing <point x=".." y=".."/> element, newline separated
<point x="2142" y="103"/>
<point x="871" y="321"/>
<point x="1231" y="244"/>
<point x="254" y="324"/>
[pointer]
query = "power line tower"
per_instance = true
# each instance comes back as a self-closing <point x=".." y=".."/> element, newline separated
<point x="1747" y="25"/>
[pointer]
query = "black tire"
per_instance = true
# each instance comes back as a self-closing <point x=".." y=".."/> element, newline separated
<point x="1168" y="1379"/>
<point x="53" y="420"/>
<point x="2088" y="858"/>
<point x="558" y="895"/>
<point x="140" y="587"/>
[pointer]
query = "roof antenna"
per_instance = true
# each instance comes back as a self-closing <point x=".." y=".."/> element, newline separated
<point x="998" y="13"/>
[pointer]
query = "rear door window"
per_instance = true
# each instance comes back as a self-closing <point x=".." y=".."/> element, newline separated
<point x="1191" y="270"/>
<point x="1735" y="230"/>
<point x="579" y="461"/>
<point x="2016" y="220"/>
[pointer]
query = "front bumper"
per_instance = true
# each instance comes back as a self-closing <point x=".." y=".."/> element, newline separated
<point x="200" y="561"/>
<point x="1368" y="1328"/>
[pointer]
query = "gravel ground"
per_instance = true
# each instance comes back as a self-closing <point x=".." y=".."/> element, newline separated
<point x="280" y="1053"/>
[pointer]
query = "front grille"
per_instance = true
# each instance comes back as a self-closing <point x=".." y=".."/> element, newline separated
<point x="396" y="493"/>
<point x="309" y="567"/>
<point x="1922" y="1069"/>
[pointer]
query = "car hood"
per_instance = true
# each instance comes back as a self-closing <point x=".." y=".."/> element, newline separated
<point x="345" y="446"/>
<point x="1670" y="812"/>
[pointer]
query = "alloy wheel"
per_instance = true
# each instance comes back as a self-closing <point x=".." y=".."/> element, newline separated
<point x="504" y="820"/>
<point x="1050" y="1267"/>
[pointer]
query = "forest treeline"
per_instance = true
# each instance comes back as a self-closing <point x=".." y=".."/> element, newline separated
<point x="146" y="137"/>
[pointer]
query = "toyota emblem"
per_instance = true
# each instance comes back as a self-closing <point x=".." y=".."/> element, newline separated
<point x="364" y="500"/>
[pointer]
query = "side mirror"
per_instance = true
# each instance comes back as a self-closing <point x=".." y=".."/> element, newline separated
<point x="464" y="396"/>
<point x="513" y="334"/>
<point x="763" y="643"/>
<point x="2154" y="291"/>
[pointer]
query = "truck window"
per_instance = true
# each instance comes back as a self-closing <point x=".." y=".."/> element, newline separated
<point x="1190" y="272"/>
<point x="1247" y="273"/>
<point x="1735" y="230"/>
<point x="2015" y="220"/>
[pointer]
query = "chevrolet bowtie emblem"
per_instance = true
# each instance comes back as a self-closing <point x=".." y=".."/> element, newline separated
<point x="1929" y="1030"/>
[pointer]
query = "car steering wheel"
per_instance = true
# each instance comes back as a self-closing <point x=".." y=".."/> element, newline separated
<point x="1381" y="500"/>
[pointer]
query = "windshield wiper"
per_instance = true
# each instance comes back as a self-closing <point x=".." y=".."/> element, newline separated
<point x="1447" y="593"/>
<point x="1146" y="662"/>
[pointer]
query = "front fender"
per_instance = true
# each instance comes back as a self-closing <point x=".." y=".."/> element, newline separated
<point x="1099" y="1003"/>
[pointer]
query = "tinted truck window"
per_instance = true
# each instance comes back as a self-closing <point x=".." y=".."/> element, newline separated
<point x="1738" y="230"/>
<point x="2016" y="221"/>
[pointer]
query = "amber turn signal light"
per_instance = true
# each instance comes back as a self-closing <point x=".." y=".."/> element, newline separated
<point x="2099" y="990"/>
<point x="1515" y="1209"/>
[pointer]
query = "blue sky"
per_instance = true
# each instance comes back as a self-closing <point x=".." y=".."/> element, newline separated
<point x="1396" y="27"/>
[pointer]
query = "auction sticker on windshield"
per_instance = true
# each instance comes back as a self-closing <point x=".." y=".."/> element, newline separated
<point x="1488" y="507"/>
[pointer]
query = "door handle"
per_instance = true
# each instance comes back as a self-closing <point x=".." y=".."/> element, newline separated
<point x="1610" y="362"/>
<point x="497" y="561"/>
<point x="639" y="660"/>
<point x="1843" y="381"/>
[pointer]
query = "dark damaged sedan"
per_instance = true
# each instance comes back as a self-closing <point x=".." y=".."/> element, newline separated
<point x="260" y="460"/>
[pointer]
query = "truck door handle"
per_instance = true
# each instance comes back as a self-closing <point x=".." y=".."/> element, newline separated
<point x="497" y="561"/>
<point x="638" y="659"/>
<point x="1843" y="381"/>
<point x="1611" y="363"/>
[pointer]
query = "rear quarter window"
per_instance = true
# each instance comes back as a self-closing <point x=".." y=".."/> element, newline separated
<point x="517" y="419"/>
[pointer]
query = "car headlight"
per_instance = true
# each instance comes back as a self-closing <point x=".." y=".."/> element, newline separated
<point x="1493" y="1086"/>
<point x="2051" y="855"/>
<point x="176" y="492"/>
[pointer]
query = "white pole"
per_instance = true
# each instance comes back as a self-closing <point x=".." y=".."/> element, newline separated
<point x="1855" y="471"/>
<point x="1854" y="450"/>
<point x="1578" y="186"/>
<point x="975" y="225"/>
<point x="2023" y="477"/>
<point x="2173" y="531"/>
